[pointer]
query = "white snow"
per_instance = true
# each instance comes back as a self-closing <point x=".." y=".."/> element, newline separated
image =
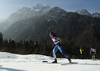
<point x="33" y="62"/>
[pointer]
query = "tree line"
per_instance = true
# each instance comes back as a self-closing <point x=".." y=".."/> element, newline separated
<point x="22" y="47"/>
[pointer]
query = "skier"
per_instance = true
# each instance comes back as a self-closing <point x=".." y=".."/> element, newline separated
<point x="57" y="46"/>
<point x="81" y="52"/>
<point x="93" y="52"/>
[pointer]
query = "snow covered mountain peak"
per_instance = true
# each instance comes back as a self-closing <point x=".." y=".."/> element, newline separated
<point x="28" y="12"/>
<point x="25" y="13"/>
<point x="40" y="7"/>
<point x="96" y="15"/>
<point x="36" y="10"/>
<point x="23" y="8"/>
<point x="83" y="12"/>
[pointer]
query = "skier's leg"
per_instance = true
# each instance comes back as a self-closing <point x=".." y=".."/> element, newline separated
<point x="92" y="55"/>
<point x="61" y="50"/>
<point x="54" y="55"/>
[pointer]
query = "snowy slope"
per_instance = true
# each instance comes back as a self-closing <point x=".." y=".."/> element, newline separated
<point x="14" y="62"/>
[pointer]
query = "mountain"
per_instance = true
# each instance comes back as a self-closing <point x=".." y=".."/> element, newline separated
<point x="37" y="10"/>
<point x="83" y="12"/>
<point x="20" y="27"/>
<point x="28" y="12"/>
<point x="1" y="20"/>
<point x="96" y="15"/>
<point x="24" y="30"/>
<point x="22" y="14"/>
<point x="56" y="19"/>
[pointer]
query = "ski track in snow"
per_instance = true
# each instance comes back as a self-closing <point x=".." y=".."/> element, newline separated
<point x="33" y="62"/>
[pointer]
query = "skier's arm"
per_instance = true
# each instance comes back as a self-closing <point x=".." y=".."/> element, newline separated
<point x="53" y="45"/>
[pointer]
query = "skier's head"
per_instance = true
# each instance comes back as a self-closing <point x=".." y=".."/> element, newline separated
<point x="52" y="34"/>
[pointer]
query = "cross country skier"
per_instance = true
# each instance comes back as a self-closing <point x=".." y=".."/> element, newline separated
<point x="57" y="42"/>
<point x="81" y="53"/>
<point x="93" y="52"/>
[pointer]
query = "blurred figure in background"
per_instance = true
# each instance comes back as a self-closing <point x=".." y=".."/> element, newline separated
<point x="93" y="52"/>
<point x="81" y="53"/>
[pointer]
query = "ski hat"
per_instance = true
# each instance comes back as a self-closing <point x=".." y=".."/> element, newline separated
<point x="51" y="33"/>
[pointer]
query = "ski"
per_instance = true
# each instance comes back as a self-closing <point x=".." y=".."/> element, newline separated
<point x="62" y="63"/>
<point x="69" y="63"/>
<point x="52" y="63"/>
<point x="44" y="61"/>
<point x="49" y="62"/>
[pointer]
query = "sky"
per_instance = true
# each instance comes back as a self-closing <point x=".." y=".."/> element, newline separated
<point x="7" y="7"/>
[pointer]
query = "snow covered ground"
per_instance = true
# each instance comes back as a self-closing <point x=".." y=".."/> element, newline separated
<point x="14" y="62"/>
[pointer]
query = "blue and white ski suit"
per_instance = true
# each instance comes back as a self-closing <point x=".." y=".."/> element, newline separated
<point x="57" y="47"/>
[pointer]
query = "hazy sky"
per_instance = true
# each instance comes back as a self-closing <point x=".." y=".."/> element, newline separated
<point x="9" y="6"/>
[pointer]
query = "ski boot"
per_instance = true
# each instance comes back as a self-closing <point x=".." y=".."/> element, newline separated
<point x="55" y="61"/>
<point x="69" y="60"/>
